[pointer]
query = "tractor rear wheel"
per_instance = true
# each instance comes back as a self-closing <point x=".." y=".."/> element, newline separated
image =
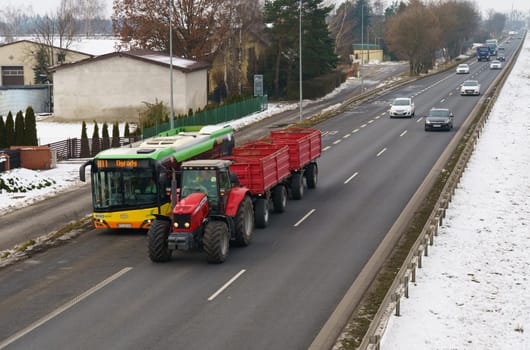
<point x="261" y="212"/>
<point x="312" y="175"/>
<point x="279" y="198"/>
<point x="297" y="186"/>
<point x="216" y="241"/>
<point x="244" y="220"/>
<point x="157" y="241"/>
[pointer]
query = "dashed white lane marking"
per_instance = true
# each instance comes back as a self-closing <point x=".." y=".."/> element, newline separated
<point x="381" y="152"/>
<point x="403" y="133"/>
<point x="226" y="285"/>
<point x="326" y="148"/>
<point x="336" y="142"/>
<point x="305" y="217"/>
<point x="351" y="178"/>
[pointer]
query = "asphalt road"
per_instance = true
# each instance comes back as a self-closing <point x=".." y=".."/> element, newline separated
<point x="101" y="291"/>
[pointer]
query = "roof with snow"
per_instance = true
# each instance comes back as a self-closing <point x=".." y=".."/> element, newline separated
<point x="148" y="56"/>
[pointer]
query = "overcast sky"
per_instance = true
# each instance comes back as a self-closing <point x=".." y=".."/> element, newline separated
<point x="47" y="6"/>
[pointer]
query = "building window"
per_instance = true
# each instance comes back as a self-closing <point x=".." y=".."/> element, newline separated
<point x="12" y="75"/>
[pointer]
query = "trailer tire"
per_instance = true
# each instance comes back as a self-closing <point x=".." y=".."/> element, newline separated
<point x="311" y="175"/>
<point x="216" y="241"/>
<point x="157" y="241"/>
<point x="297" y="186"/>
<point x="261" y="212"/>
<point x="244" y="221"/>
<point x="279" y="198"/>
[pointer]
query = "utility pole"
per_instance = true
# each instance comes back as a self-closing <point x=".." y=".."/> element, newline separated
<point x="171" y="115"/>
<point x="300" y="55"/>
<point x="362" y="48"/>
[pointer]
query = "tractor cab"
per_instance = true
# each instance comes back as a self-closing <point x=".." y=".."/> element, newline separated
<point x="211" y="177"/>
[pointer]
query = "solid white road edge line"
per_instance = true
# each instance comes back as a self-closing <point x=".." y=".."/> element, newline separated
<point x="226" y="285"/>
<point x="305" y="217"/>
<point x="64" y="307"/>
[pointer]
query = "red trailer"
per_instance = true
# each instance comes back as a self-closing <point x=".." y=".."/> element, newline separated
<point x="264" y="169"/>
<point x="272" y="167"/>
<point x="305" y="146"/>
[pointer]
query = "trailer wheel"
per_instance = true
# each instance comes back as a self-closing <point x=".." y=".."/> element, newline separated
<point x="297" y="186"/>
<point x="157" y="241"/>
<point x="261" y="213"/>
<point x="312" y="175"/>
<point x="279" y="198"/>
<point x="216" y="241"/>
<point x="244" y="222"/>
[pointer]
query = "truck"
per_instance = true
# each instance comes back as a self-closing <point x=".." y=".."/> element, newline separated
<point x="219" y="201"/>
<point x="492" y="46"/>
<point x="130" y="184"/>
<point x="483" y="53"/>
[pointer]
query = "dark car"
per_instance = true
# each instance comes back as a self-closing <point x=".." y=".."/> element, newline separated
<point x="439" y="119"/>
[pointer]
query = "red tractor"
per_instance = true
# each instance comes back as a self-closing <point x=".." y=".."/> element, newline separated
<point x="213" y="209"/>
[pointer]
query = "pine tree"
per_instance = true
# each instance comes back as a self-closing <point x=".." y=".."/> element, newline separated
<point x="115" y="135"/>
<point x="105" y="138"/>
<point x="96" y="141"/>
<point x="85" y="148"/>
<point x="126" y="132"/>
<point x="40" y="70"/>
<point x="3" y="141"/>
<point x="19" y="129"/>
<point x="30" y="128"/>
<point x="10" y="130"/>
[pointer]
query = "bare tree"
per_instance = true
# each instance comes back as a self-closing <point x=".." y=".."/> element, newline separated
<point x="414" y="34"/>
<point x="89" y="10"/>
<point x="57" y="30"/>
<point x="11" y="21"/>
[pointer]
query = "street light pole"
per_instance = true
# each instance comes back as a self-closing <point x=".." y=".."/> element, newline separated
<point x="300" y="55"/>
<point x="171" y="115"/>
<point x="362" y="48"/>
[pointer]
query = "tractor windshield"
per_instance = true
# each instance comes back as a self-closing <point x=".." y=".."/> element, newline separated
<point x="200" y="180"/>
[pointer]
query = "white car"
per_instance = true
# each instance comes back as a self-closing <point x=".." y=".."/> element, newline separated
<point x="495" y="64"/>
<point x="470" y="87"/>
<point x="402" y="107"/>
<point x="462" y="68"/>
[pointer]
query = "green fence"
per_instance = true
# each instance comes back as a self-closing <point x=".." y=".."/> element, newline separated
<point x="218" y="115"/>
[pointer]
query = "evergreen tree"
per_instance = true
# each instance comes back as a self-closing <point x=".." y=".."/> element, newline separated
<point x="19" y="129"/>
<point x="85" y="148"/>
<point x="105" y="138"/>
<point x="126" y="132"/>
<point x="10" y="130"/>
<point x="115" y="135"/>
<point x="3" y="141"/>
<point x="41" y="68"/>
<point x="30" y="128"/>
<point x="96" y="141"/>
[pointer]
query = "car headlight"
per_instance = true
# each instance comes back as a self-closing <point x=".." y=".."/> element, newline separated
<point x="427" y="121"/>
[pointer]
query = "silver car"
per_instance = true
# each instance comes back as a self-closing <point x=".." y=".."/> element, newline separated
<point x="470" y="87"/>
<point x="402" y="107"/>
<point x="462" y="68"/>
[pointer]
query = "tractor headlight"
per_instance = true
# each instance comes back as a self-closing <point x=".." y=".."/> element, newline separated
<point x="176" y="224"/>
<point x="187" y="225"/>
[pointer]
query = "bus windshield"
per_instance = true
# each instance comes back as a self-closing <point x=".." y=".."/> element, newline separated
<point x="125" y="188"/>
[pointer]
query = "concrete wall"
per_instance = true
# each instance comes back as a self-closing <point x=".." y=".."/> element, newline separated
<point x="115" y="88"/>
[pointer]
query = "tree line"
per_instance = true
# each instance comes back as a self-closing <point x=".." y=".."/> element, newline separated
<point x="20" y="131"/>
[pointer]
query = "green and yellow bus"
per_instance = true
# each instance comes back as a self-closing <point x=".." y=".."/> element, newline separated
<point x="131" y="184"/>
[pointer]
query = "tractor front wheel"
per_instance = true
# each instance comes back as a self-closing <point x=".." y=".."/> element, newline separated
<point x="157" y="241"/>
<point x="244" y="222"/>
<point x="216" y="241"/>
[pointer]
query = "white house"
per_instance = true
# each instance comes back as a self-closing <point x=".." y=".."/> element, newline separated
<point x="114" y="86"/>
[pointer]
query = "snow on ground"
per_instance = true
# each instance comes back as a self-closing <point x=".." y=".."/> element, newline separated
<point x="472" y="292"/>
